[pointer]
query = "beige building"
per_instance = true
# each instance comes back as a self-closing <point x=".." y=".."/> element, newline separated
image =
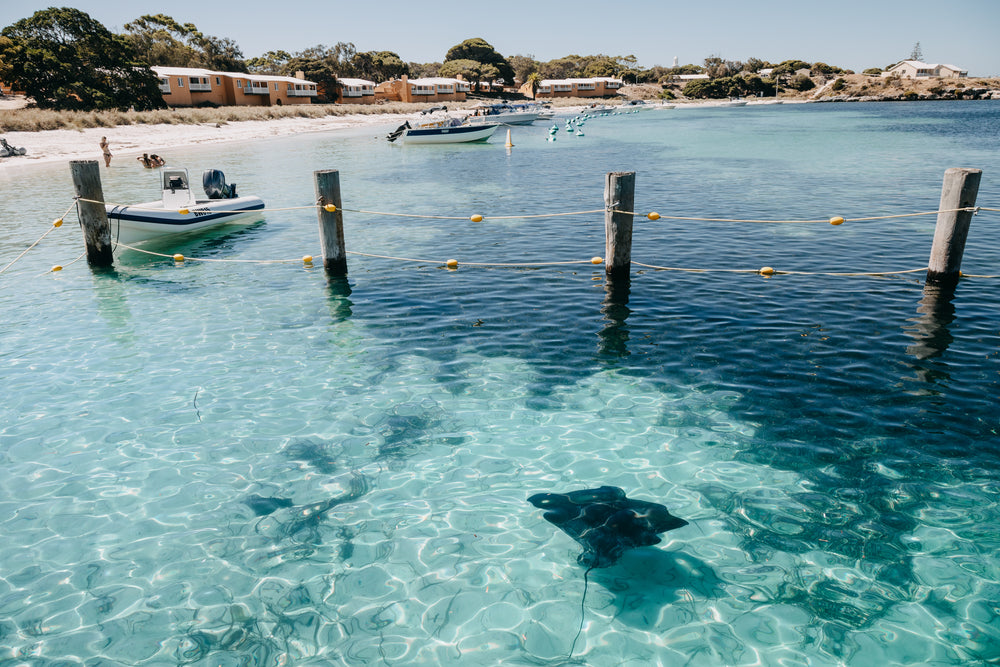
<point x="914" y="69"/>
<point x="434" y="89"/>
<point x="595" y="87"/>
<point x="356" y="91"/>
<point x="191" y="86"/>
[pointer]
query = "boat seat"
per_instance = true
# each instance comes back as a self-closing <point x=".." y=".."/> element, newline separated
<point x="176" y="192"/>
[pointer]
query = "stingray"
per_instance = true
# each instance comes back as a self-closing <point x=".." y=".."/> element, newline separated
<point x="606" y="523"/>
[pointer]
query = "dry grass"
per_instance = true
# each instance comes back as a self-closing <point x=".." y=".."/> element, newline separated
<point x="35" y="120"/>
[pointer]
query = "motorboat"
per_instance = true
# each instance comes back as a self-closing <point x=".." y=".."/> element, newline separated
<point x="445" y="131"/>
<point x="178" y="210"/>
<point x="505" y="114"/>
<point x="732" y="102"/>
<point x="637" y="104"/>
<point x="544" y="111"/>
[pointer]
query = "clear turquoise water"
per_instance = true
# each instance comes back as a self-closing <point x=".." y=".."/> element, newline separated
<point x="832" y="441"/>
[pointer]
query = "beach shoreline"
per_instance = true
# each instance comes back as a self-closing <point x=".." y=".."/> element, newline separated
<point x="130" y="141"/>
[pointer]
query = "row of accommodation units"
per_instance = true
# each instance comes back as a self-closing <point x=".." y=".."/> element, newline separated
<point x="191" y="86"/>
<point x="185" y="86"/>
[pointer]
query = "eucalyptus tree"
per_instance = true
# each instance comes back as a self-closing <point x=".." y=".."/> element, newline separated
<point x="164" y="41"/>
<point x="479" y="50"/>
<point x="64" y="59"/>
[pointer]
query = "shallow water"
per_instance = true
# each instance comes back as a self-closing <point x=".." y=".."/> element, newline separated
<point x="833" y="441"/>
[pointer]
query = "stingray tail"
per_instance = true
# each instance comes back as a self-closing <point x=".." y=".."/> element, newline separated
<point x="583" y="600"/>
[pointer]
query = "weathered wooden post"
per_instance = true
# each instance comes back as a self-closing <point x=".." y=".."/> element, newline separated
<point x="958" y="192"/>
<point x="619" y="200"/>
<point x="331" y="222"/>
<point x="93" y="215"/>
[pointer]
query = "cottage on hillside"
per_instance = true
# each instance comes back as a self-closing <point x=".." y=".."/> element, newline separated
<point x="914" y="69"/>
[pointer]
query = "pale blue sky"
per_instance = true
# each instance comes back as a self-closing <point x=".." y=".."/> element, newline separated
<point x="854" y="34"/>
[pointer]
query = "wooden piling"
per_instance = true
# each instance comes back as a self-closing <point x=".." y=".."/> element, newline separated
<point x="619" y="195"/>
<point x="331" y="223"/>
<point x="959" y="191"/>
<point x="93" y="215"/>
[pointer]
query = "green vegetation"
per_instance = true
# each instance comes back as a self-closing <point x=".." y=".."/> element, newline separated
<point x="160" y="40"/>
<point x="64" y="59"/>
<point x="470" y="70"/>
<point x="478" y="50"/>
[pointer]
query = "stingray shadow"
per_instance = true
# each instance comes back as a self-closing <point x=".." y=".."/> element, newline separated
<point x="648" y="580"/>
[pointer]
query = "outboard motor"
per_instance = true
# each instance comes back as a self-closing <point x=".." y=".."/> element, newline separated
<point x="395" y="134"/>
<point x="214" y="182"/>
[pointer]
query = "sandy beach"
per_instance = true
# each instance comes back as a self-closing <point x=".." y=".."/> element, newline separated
<point x="129" y="141"/>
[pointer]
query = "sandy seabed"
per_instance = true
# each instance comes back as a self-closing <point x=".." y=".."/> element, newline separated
<point x="130" y="141"/>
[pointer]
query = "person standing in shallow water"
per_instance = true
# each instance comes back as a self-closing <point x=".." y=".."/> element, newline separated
<point x="106" y="150"/>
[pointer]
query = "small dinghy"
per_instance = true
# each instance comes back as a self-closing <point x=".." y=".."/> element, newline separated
<point x="6" y="150"/>
<point x="178" y="211"/>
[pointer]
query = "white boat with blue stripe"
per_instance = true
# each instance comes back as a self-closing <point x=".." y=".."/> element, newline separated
<point x="178" y="211"/>
<point x="448" y="131"/>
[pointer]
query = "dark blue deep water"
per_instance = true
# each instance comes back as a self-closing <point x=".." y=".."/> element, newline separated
<point x="244" y="463"/>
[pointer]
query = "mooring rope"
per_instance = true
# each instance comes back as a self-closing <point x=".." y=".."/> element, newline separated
<point x="770" y="271"/>
<point x="55" y="225"/>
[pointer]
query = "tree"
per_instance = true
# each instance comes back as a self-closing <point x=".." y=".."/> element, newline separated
<point x="271" y="62"/>
<point x="706" y="88"/>
<point x="479" y="50"/>
<point x="64" y="59"/>
<point x="470" y="70"/>
<point x="523" y="66"/>
<point x="378" y="66"/>
<point x="534" y="81"/>
<point x="801" y="83"/>
<point x="916" y="53"/>
<point x="164" y="41"/>
<point x="424" y="70"/>
<point x="791" y="66"/>
<point x="717" y="68"/>
<point x="560" y="68"/>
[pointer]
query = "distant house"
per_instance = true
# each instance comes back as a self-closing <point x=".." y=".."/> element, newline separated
<point x="914" y="69"/>
<point x="356" y="91"/>
<point x="684" y="78"/>
<point x="192" y="86"/>
<point x="601" y="86"/>
<point x="434" y="89"/>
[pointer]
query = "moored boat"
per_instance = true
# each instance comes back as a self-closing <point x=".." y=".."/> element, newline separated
<point x="448" y="131"/>
<point x="505" y="114"/>
<point x="178" y="210"/>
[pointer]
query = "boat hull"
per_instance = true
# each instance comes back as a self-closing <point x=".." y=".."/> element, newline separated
<point x="448" y="135"/>
<point x="142" y="222"/>
<point x="506" y="118"/>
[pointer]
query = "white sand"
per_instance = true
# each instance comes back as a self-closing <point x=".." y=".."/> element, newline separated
<point x="129" y="141"/>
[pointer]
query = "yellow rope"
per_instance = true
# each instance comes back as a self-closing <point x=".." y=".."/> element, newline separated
<point x="58" y="223"/>
<point x="782" y="273"/>
<point x="481" y="264"/>
<point x="485" y="217"/>
<point x="210" y="259"/>
<point x="827" y="220"/>
<point x="587" y="212"/>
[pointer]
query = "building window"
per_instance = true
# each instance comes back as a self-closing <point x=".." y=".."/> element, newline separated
<point x="239" y="83"/>
<point x="180" y="82"/>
